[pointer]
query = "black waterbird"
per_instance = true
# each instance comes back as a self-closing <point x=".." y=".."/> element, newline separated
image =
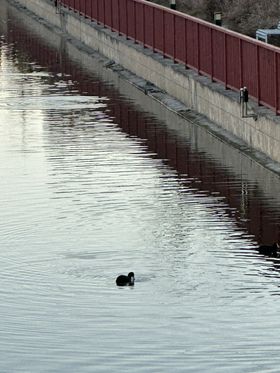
<point x="124" y="280"/>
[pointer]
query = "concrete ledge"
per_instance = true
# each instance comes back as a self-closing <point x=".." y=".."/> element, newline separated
<point x="259" y="139"/>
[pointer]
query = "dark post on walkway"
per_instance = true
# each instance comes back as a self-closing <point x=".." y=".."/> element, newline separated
<point x="218" y="18"/>
<point x="172" y="4"/>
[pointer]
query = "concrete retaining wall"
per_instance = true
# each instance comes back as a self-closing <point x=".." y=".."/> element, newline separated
<point x="196" y="92"/>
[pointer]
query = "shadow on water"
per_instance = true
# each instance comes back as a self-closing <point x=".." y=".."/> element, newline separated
<point x="202" y="162"/>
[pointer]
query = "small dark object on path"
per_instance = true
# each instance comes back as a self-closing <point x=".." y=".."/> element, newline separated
<point x="123" y="280"/>
<point x="270" y="250"/>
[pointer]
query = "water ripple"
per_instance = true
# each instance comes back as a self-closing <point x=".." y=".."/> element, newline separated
<point x="91" y="187"/>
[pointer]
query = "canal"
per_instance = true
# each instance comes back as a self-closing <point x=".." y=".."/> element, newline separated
<point x="97" y="180"/>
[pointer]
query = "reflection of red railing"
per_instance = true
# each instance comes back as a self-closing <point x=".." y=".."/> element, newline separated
<point x="225" y="56"/>
<point x="254" y="211"/>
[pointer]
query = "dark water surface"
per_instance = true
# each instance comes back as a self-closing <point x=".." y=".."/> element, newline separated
<point x="93" y="184"/>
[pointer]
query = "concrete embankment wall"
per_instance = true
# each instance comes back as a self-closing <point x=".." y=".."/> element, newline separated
<point x="197" y="92"/>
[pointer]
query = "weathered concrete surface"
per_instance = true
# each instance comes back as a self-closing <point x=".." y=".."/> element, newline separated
<point x="259" y="139"/>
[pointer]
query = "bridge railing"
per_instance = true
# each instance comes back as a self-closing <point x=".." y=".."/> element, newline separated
<point x="225" y="56"/>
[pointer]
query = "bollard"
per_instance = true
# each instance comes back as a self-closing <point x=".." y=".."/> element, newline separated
<point x="173" y="4"/>
<point x="218" y="18"/>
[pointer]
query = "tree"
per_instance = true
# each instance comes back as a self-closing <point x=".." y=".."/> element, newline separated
<point x="244" y="16"/>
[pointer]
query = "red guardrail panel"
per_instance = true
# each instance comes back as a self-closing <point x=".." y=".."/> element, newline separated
<point x="131" y="6"/>
<point x="233" y="62"/>
<point x="88" y="8"/>
<point x="205" y="49"/>
<point x="71" y="4"/>
<point x="108" y="13"/>
<point x="192" y="43"/>
<point x="169" y="34"/>
<point x="77" y="5"/>
<point x="148" y="32"/>
<point x="158" y="29"/>
<point x="139" y="9"/>
<point x="267" y="76"/>
<point x="82" y="8"/>
<point x="218" y="47"/>
<point x="115" y="15"/>
<point x="101" y="11"/>
<point x="180" y="37"/>
<point x="250" y="67"/>
<point x="277" y="81"/>
<point x="123" y="16"/>
<point x="94" y="10"/>
<point x="65" y="3"/>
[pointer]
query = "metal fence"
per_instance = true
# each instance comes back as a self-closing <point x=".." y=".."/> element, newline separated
<point x="223" y="55"/>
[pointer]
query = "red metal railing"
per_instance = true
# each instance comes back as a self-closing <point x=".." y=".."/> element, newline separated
<point x="223" y="55"/>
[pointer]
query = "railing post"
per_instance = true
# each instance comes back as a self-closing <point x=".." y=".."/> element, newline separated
<point x="211" y="53"/>
<point x="126" y="14"/>
<point x="225" y="60"/>
<point x="258" y="75"/>
<point x="198" y="49"/>
<point x="104" y="24"/>
<point x="153" y="29"/>
<point x="163" y="33"/>
<point x="119" y="18"/>
<point x="174" y="39"/>
<point x="111" y="3"/>
<point x="144" y="26"/>
<point x="276" y="81"/>
<point x="241" y="63"/>
<point x="135" y="30"/>
<point x="186" y="44"/>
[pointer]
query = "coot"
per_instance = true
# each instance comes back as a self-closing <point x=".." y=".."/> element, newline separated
<point x="124" y="280"/>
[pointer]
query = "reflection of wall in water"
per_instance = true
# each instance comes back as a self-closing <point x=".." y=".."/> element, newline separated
<point x="188" y="148"/>
<point x="4" y="18"/>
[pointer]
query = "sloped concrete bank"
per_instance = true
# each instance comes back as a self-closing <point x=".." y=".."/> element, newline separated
<point x="190" y="95"/>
